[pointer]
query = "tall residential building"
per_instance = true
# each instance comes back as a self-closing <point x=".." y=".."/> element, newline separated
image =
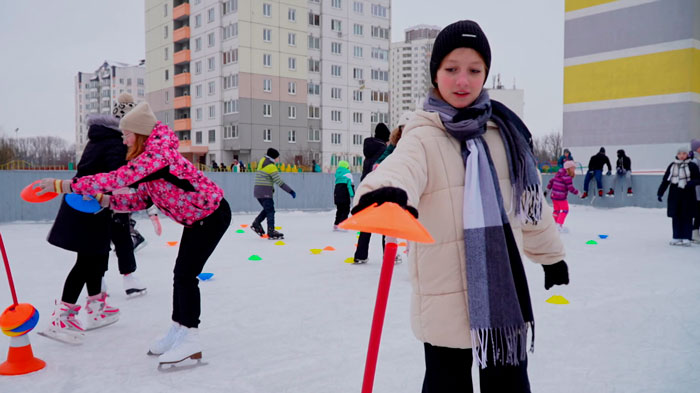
<point x="631" y="78"/>
<point x="96" y="92"/>
<point x="235" y="77"/>
<point x="410" y="70"/>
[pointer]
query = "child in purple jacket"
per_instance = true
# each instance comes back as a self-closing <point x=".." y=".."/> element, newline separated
<point x="561" y="184"/>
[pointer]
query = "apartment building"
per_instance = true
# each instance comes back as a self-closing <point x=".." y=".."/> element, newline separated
<point x="235" y="77"/>
<point x="96" y="92"/>
<point x="631" y="78"/>
<point x="410" y="70"/>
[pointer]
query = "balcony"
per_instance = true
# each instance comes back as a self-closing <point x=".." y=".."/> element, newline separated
<point x="182" y="56"/>
<point x="182" y="79"/>
<point x="182" y="102"/>
<point x="183" y="125"/>
<point x="181" y="34"/>
<point x="181" y="11"/>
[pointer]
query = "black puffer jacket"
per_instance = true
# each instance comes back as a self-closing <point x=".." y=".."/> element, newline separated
<point x="372" y="149"/>
<point x="85" y="232"/>
<point x="681" y="201"/>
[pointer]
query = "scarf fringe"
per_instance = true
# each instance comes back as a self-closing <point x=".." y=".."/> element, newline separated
<point x="508" y="344"/>
<point x="530" y="210"/>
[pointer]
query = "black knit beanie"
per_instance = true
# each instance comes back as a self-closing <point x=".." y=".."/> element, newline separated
<point x="381" y="132"/>
<point x="462" y="34"/>
<point x="273" y="153"/>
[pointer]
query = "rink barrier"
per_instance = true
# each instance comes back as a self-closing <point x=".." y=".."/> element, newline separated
<point x="314" y="193"/>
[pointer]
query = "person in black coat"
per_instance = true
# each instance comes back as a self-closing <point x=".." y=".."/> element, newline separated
<point x="372" y="149"/>
<point x="595" y="169"/>
<point x="681" y="177"/>
<point x="623" y="170"/>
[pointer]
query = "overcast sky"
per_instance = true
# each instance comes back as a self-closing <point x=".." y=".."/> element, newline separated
<point x="44" y="46"/>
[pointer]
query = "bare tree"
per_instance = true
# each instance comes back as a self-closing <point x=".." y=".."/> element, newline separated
<point x="39" y="150"/>
<point x="7" y="153"/>
<point x="548" y="147"/>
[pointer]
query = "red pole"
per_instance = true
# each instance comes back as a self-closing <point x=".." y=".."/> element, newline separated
<point x="379" y="311"/>
<point x="7" y="269"/>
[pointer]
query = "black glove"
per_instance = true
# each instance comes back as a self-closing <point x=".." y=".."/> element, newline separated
<point x="545" y="193"/>
<point x="660" y="198"/>
<point x="556" y="274"/>
<point x="385" y="194"/>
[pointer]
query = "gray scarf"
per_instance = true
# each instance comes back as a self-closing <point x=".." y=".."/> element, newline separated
<point x="500" y="312"/>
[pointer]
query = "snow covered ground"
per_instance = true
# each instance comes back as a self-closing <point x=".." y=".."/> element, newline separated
<point x="298" y="322"/>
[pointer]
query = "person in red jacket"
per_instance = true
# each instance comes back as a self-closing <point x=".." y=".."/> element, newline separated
<point x="561" y="185"/>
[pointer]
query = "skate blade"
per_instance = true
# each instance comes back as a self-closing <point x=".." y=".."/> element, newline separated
<point x="140" y="246"/>
<point x="191" y="361"/>
<point x="101" y="325"/>
<point x="132" y="293"/>
<point x="63" y="337"/>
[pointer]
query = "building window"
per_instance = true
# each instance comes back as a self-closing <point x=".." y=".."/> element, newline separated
<point x="167" y="75"/>
<point x="267" y="60"/>
<point x="198" y="91"/>
<point x="230" y="106"/>
<point x="336" y="70"/>
<point x="210" y="39"/>
<point x="267" y="110"/>
<point x="314" y="112"/>
<point x="380" y="32"/>
<point x="167" y="97"/>
<point x="230" y="81"/>
<point x="336" y="138"/>
<point x="198" y="67"/>
<point x="267" y="35"/>
<point x="357" y="29"/>
<point x="381" y="54"/>
<point x="336" y="92"/>
<point x="198" y="114"/>
<point x="336" y="47"/>
<point x="314" y="89"/>
<point x="314" y="19"/>
<point x="357" y="161"/>
<point x="357" y="73"/>
<point x="231" y="30"/>
<point x="336" y="3"/>
<point x="357" y="95"/>
<point x="165" y="50"/>
<point x="336" y="25"/>
<point x="211" y="62"/>
<point x="165" y="30"/>
<point x="357" y="139"/>
<point x="379" y="96"/>
<point x="357" y="117"/>
<point x="165" y="12"/>
<point x="197" y="21"/>
<point x="231" y="131"/>
<point x="292" y="62"/>
<point x="267" y="9"/>
<point x="292" y="39"/>
<point x="230" y="6"/>
<point x="211" y="88"/>
<point x="292" y="112"/>
<point x="336" y="116"/>
<point x="379" y="11"/>
<point x="267" y="85"/>
<point x="198" y="137"/>
<point x="292" y="15"/>
<point x="212" y="111"/>
<point x="267" y="135"/>
<point x="197" y="44"/>
<point x="314" y="42"/>
<point x="212" y="136"/>
<point x="357" y="51"/>
<point x="314" y="135"/>
<point x="291" y="88"/>
<point x="230" y="56"/>
<point x="292" y="136"/>
<point x="314" y="65"/>
<point x="211" y="15"/>
<point x="379" y="75"/>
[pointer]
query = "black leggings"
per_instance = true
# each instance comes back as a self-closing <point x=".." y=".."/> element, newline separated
<point x="123" y="245"/>
<point x="197" y="244"/>
<point x="448" y="370"/>
<point x="88" y="270"/>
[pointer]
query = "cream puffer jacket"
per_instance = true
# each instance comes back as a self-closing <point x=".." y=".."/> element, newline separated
<point x="428" y="165"/>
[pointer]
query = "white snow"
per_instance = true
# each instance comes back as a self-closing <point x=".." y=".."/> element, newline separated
<point x="297" y="322"/>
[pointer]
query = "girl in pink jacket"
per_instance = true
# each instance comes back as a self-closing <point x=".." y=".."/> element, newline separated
<point x="163" y="177"/>
<point x="562" y="184"/>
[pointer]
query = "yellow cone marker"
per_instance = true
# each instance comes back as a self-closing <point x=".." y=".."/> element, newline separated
<point x="315" y="250"/>
<point x="557" y="299"/>
<point x="279" y="243"/>
<point x="278" y="228"/>
<point x="349" y="260"/>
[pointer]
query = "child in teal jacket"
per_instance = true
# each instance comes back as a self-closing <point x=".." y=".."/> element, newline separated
<point x="343" y="193"/>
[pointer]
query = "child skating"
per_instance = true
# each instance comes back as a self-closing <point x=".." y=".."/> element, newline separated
<point x="561" y="185"/>
<point x="343" y="193"/>
<point x="266" y="177"/>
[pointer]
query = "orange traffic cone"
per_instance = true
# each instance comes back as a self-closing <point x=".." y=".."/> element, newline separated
<point x="20" y="358"/>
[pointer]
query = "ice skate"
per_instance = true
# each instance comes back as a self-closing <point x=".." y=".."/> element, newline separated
<point x="696" y="236"/>
<point x="99" y="313"/>
<point x="610" y="193"/>
<point x="65" y="325"/>
<point x="629" y="192"/>
<point x="359" y="261"/>
<point x="163" y="344"/>
<point x="398" y="260"/>
<point x="676" y="242"/>
<point x="138" y="240"/>
<point x="562" y="229"/>
<point x="274" y="235"/>
<point x="133" y="286"/>
<point x="600" y="193"/>
<point x="257" y="228"/>
<point x="584" y="195"/>
<point x="186" y="347"/>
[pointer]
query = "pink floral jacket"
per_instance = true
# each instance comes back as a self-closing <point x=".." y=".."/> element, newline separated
<point x="163" y="176"/>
